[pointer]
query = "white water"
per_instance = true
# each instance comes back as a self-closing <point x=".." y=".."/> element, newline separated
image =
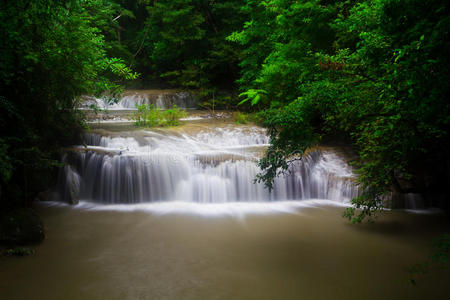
<point x="215" y="165"/>
<point x="131" y="99"/>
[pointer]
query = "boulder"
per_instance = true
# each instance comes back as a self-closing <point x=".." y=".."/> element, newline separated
<point x="72" y="189"/>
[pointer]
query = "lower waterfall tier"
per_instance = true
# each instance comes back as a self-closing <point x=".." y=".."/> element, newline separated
<point x="195" y="168"/>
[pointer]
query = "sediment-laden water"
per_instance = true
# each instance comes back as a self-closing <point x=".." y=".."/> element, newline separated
<point x="262" y="251"/>
<point x="174" y="214"/>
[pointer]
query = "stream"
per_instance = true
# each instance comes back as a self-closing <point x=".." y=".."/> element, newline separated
<point x="173" y="213"/>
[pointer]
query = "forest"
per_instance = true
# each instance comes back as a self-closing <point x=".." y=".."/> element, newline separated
<point x="275" y="149"/>
<point x="373" y="74"/>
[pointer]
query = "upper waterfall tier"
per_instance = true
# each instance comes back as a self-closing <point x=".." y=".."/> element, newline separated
<point x="162" y="99"/>
<point x="209" y="164"/>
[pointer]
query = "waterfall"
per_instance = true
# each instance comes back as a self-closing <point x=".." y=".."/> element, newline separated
<point x="130" y="98"/>
<point x="214" y="165"/>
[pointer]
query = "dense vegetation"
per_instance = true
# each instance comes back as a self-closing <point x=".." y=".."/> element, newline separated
<point x="151" y="116"/>
<point x="372" y="73"/>
<point x="52" y="52"/>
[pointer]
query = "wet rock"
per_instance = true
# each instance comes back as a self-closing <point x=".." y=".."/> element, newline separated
<point x="72" y="186"/>
<point x="394" y="200"/>
<point x="404" y="183"/>
<point x="68" y="186"/>
<point x="44" y="196"/>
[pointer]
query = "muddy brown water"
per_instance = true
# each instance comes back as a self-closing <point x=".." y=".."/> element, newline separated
<point x="309" y="253"/>
<point x="263" y="250"/>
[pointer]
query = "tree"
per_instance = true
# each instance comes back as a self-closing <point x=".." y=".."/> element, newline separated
<point x="55" y="52"/>
<point x="186" y="42"/>
<point x="374" y="73"/>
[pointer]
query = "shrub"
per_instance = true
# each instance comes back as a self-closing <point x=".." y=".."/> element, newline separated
<point x="147" y="115"/>
<point x="150" y="116"/>
<point x="171" y="117"/>
<point x="241" y="118"/>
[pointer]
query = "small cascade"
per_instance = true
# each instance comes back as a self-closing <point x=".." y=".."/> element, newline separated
<point x="210" y="166"/>
<point x="414" y="201"/>
<point x="131" y="98"/>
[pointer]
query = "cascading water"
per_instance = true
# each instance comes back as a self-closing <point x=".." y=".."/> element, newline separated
<point x="129" y="100"/>
<point x="213" y="165"/>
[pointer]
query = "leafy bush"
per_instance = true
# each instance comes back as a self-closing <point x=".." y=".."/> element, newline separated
<point x="150" y="116"/>
<point x="241" y="118"/>
<point x="147" y="115"/>
<point x="171" y="117"/>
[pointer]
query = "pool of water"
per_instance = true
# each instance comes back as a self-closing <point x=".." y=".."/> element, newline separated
<point x="262" y="251"/>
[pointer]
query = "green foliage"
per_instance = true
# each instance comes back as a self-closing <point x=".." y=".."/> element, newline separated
<point x="290" y="134"/>
<point x="150" y="116"/>
<point x="56" y="52"/>
<point x="212" y="99"/>
<point x="185" y="42"/>
<point x="241" y="118"/>
<point x="374" y="72"/>
<point x="118" y="68"/>
<point x="278" y="40"/>
<point x="172" y="116"/>
<point x="252" y="95"/>
<point x="147" y="115"/>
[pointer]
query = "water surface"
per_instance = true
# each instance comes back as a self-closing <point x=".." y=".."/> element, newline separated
<point x="300" y="253"/>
